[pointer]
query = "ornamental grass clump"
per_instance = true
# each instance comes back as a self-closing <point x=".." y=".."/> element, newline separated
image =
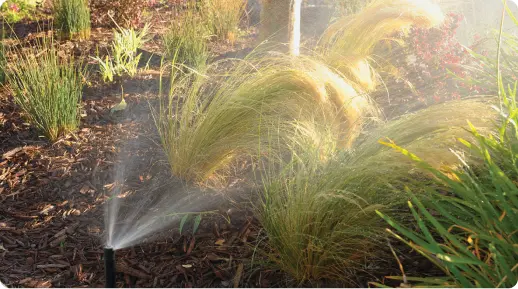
<point x="207" y="121"/>
<point x="73" y="18"/>
<point x="222" y="17"/>
<point x="186" y="41"/>
<point x="46" y="86"/>
<point x="319" y="215"/>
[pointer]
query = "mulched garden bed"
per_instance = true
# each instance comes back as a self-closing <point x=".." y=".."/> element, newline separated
<point x="52" y="195"/>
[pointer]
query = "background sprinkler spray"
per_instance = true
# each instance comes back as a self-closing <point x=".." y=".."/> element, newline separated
<point x="109" y="267"/>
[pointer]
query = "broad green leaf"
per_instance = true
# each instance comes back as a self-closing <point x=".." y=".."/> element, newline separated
<point x="182" y="222"/>
<point x="196" y="224"/>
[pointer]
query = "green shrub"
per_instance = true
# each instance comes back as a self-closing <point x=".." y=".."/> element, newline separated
<point x="124" y="58"/>
<point x="223" y="17"/>
<point x="186" y="41"/>
<point x="47" y="87"/>
<point x="73" y="17"/>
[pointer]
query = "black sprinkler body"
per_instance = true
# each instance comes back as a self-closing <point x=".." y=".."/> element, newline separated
<point x="109" y="267"/>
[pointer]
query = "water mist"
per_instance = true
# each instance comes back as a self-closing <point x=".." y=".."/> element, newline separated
<point x="138" y="210"/>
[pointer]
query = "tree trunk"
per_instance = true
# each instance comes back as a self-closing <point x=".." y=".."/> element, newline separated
<point x="294" y="29"/>
<point x="275" y="20"/>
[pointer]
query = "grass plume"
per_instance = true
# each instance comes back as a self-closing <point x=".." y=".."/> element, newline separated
<point x="348" y="43"/>
<point x="207" y="121"/>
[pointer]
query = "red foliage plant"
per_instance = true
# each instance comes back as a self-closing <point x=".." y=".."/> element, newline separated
<point x="433" y="62"/>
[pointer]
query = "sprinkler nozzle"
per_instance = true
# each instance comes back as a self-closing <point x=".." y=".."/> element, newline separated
<point x="109" y="267"/>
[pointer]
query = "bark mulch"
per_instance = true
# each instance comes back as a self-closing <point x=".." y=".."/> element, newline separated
<point x="52" y="195"/>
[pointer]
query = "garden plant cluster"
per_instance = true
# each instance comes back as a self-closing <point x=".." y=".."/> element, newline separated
<point x="334" y="184"/>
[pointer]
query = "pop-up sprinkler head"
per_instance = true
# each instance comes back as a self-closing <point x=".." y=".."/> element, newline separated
<point x="109" y="267"/>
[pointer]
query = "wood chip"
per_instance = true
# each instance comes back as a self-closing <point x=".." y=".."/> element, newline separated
<point x="11" y="153"/>
<point x="67" y="230"/>
<point x="59" y="266"/>
<point x="123" y="268"/>
<point x="58" y="241"/>
<point x="7" y="240"/>
<point x="239" y="273"/>
<point x="34" y="283"/>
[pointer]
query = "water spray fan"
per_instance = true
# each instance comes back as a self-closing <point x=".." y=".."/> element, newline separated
<point x="109" y="267"/>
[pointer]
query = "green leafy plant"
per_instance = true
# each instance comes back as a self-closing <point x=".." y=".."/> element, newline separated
<point x="17" y="10"/>
<point x="186" y="41"/>
<point x="73" y="17"/>
<point x="46" y="86"/>
<point x="124" y="58"/>
<point x="475" y="241"/>
<point x="195" y="225"/>
<point x="469" y="229"/>
<point x="196" y="218"/>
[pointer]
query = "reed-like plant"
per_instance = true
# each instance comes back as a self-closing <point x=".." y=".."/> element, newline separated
<point x="46" y="86"/>
<point x="124" y="57"/>
<point x="73" y="17"/>
<point x="2" y="55"/>
<point x="186" y="40"/>
<point x="223" y="17"/>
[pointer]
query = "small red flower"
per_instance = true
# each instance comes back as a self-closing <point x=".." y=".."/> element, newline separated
<point x="13" y="7"/>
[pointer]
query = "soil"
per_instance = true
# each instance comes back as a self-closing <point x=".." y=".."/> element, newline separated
<point x="52" y="194"/>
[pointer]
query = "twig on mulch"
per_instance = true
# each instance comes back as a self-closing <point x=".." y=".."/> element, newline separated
<point x="124" y="268"/>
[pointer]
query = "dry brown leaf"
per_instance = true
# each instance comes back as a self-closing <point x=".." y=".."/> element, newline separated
<point x="220" y="242"/>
